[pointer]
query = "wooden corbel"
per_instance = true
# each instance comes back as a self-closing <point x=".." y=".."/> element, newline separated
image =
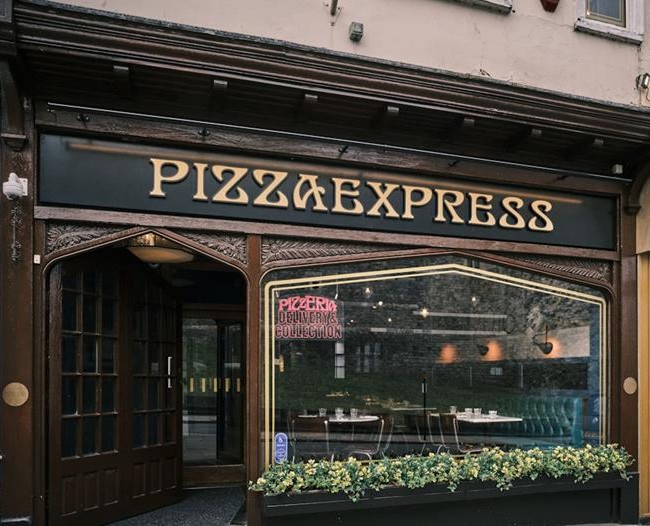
<point x="12" y="124"/>
<point x="641" y="176"/>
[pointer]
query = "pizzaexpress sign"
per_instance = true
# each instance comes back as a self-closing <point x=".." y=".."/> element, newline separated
<point x="112" y="175"/>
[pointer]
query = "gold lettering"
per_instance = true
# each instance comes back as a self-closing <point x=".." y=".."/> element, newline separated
<point x="340" y="193"/>
<point x="382" y="199"/>
<point x="449" y="206"/>
<point x="237" y="175"/>
<point x="315" y="191"/>
<point x="200" y="182"/>
<point x="540" y="208"/>
<point x="480" y="202"/>
<point x="409" y="202"/>
<point x="182" y="169"/>
<point x="511" y="205"/>
<point x="263" y="198"/>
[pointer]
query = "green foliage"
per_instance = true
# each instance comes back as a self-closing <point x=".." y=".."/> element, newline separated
<point x="353" y="477"/>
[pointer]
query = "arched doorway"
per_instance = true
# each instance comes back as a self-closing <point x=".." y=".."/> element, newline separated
<point x="145" y="378"/>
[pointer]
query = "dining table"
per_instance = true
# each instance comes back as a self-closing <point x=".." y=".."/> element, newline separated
<point x="345" y="419"/>
<point x="471" y="418"/>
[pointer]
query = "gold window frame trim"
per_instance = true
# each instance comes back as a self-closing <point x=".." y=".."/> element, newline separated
<point x="403" y="273"/>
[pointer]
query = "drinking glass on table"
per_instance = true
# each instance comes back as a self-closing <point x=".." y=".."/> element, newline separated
<point x="468" y="410"/>
<point x="322" y="411"/>
<point x="354" y="412"/>
<point x="338" y="413"/>
<point x="492" y="413"/>
<point x="477" y="411"/>
<point x="453" y="409"/>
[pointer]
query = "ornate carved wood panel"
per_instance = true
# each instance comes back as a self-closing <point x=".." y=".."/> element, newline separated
<point x="230" y="245"/>
<point x="59" y="236"/>
<point x="281" y="249"/>
<point x="586" y="268"/>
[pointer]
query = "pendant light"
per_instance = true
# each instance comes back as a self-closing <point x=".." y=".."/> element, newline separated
<point x="152" y="248"/>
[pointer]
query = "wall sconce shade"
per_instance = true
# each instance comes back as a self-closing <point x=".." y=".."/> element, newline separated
<point x="152" y="248"/>
<point x="546" y="347"/>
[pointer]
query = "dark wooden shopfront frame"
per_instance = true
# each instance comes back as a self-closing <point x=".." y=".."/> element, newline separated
<point x="568" y="263"/>
<point x="23" y="355"/>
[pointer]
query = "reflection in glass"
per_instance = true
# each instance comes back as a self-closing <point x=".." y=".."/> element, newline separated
<point x="108" y="317"/>
<point x="90" y="435"/>
<point x="108" y="356"/>
<point x="108" y="394"/>
<point x="153" y="428"/>
<point x="69" y="354"/>
<point x="200" y="391"/>
<point x="139" y="430"/>
<point x="138" y="393"/>
<point x="108" y="284"/>
<point x="612" y="11"/>
<point x="168" y="431"/>
<point x="68" y="395"/>
<point x="90" y="313"/>
<point x="212" y="392"/>
<point x="90" y="395"/>
<point x="69" y="311"/>
<point x="402" y="341"/>
<point x="90" y="282"/>
<point x="69" y="437"/>
<point x="89" y="354"/>
<point x="108" y="433"/>
<point x="153" y="393"/>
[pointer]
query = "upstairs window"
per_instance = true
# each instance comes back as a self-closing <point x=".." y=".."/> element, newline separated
<point x="616" y="19"/>
<point x="608" y="11"/>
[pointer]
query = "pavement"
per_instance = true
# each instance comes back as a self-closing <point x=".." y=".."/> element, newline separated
<point x="214" y="506"/>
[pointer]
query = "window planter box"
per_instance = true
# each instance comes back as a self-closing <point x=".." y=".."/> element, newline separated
<point x="607" y="498"/>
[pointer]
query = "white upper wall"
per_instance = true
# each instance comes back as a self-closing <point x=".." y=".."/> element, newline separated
<point x="528" y="46"/>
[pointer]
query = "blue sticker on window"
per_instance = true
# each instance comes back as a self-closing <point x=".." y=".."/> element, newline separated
<point x="281" y="447"/>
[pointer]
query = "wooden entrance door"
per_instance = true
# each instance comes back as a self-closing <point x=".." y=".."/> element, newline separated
<point x="114" y="441"/>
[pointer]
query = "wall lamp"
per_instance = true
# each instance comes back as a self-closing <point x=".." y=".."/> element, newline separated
<point x="15" y="187"/>
<point x="546" y="347"/>
<point x="643" y="81"/>
<point x="355" y="31"/>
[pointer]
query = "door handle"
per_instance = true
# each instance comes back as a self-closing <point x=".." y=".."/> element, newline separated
<point x="169" y="372"/>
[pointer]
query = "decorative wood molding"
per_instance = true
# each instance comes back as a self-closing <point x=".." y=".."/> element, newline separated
<point x="585" y="268"/>
<point x="16" y="223"/>
<point x="642" y="174"/>
<point x="230" y="245"/>
<point x="48" y="28"/>
<point x="283" y="249"/>
<point x="12" y="128"/>
<point x="59" y="236"/>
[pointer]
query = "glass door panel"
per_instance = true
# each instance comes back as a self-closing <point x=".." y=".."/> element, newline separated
<point x="212" y="392"/>
<point x="200" y="391"/>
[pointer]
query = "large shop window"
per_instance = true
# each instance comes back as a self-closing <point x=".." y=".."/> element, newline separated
<point x="444" y="353"/>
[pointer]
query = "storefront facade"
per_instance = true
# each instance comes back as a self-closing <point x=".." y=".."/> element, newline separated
<point x="383" y="250"/>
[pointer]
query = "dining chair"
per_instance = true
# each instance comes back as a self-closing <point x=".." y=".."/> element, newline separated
<point x="309" y="438"/>
<point x="389" y="427"/>
<point x="425" y="433"/>
<point x="447" y="425"/>
<point x="367" y="440"/>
